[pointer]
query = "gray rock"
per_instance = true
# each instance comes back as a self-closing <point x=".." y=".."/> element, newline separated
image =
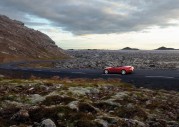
<point x="121" y="95"/>
<point x="36" y="98"/>
<point x="48" y="123"/>
<point x="102" y="122"/>
<point x="2" y="76"/>
<point x="130" y="106"/>
<point x="74" y="105"/>
<point x="22" y="115"/>
<point x="82" y="90"/>
<point x="134" y="123"/>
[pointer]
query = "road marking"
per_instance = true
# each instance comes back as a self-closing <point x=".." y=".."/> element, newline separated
<point x="78" y="72"/>
<point x="159" y="77"/>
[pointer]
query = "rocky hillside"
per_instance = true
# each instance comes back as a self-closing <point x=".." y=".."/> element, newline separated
<point x="17" y="42"/>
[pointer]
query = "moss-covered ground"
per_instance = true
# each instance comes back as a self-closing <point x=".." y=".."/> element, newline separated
<point x="85" y="103"/>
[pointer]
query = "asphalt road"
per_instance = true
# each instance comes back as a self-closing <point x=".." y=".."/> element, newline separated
<point x="155" y="79"/>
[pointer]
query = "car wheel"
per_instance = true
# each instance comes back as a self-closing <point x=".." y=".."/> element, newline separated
<point x="123" y="72"/>
<point x="106" y="71"/>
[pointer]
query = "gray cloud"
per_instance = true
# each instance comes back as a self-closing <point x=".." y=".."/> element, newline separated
<point x="95" y="16"/>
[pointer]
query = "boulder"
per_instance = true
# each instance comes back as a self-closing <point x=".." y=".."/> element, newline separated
<point x="48" y="123"/>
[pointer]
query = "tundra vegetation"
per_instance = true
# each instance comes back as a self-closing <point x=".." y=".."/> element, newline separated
<point x="84" y="103"/>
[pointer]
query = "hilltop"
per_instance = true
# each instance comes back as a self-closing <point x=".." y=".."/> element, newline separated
<point x="18" y="42"/>
<point x="164" y="48"/>
<point x="128" y="48"/>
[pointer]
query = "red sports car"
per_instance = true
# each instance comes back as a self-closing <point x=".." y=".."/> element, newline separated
<point x="121" y="69"/>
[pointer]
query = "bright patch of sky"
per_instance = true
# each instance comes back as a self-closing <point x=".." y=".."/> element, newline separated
<point x="149" y="39"/>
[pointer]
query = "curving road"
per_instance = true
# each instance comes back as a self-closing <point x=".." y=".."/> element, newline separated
<point x="155" y="79"/>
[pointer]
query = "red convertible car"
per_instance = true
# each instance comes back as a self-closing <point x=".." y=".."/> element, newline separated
<point x="121" y="69"/>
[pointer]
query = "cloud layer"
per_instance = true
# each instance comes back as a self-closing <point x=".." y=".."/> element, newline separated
<point x="95" y="16"/>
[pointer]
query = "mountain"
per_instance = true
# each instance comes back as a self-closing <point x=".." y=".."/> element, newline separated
<point x="18" y="42"/>
<point x="128" y="48"/>
<point x="164" y="48"/>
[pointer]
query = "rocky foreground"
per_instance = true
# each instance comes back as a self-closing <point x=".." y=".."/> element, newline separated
<point x="85" y="103"/>
<point x="140" y="59"/>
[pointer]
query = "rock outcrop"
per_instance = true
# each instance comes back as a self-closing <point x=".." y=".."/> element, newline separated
<point x="18" y="42"/>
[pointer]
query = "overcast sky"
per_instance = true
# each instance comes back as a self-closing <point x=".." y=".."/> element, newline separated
<point x="100" y="24"/>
